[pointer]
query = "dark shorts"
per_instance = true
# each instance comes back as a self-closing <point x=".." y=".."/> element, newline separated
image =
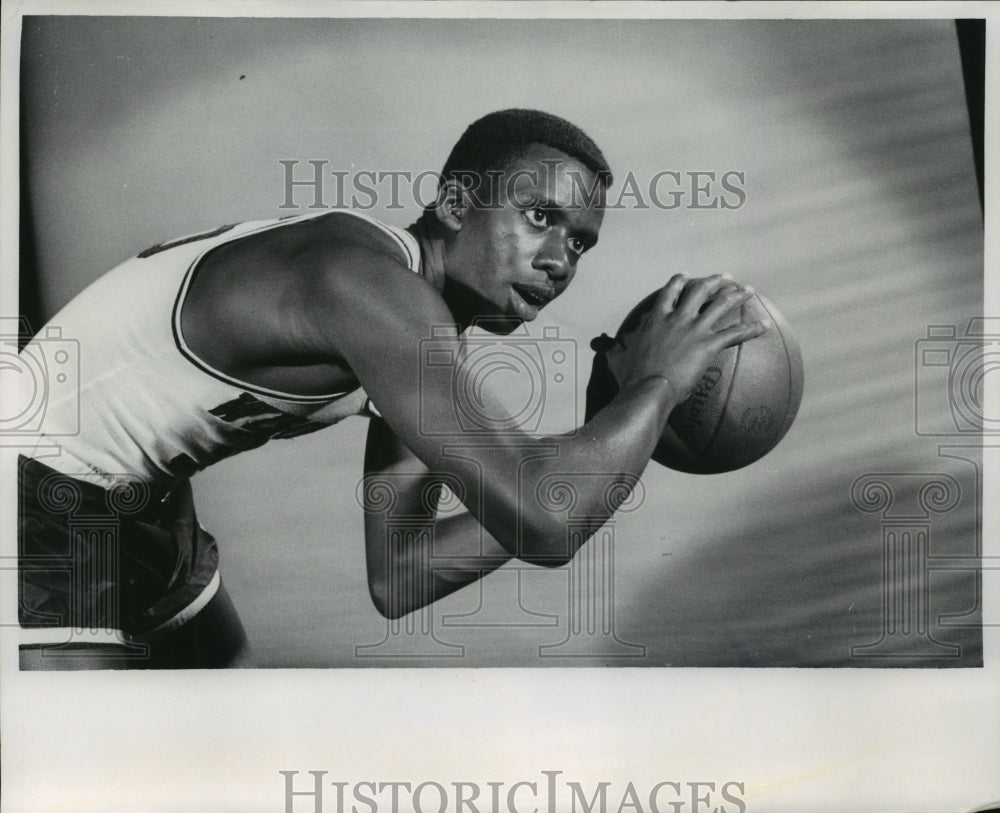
<point x="120" y="563"/>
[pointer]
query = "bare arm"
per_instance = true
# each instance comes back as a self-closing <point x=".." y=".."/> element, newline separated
<point x="379" y="317"/>
<point x="415" y="557"/>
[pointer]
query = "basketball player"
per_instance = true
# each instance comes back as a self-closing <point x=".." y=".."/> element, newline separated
<point x="207" y="346"/>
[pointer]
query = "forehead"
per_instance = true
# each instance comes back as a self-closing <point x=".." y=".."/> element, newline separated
<point x="554" y="178"/>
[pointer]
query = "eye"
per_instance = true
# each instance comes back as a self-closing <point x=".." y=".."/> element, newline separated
<point x="577" y="246"/>
<point x="537" y="217"/>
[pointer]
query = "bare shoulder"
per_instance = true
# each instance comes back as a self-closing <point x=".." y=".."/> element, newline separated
<point x="344" y="231"/>
<point x="304" y="293"/>
<point x="356" y="265"/>
<point x="359" y="287"/>
<point x="374" y="315"/>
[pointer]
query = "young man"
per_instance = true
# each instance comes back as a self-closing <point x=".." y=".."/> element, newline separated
<point x="207" y="346"/>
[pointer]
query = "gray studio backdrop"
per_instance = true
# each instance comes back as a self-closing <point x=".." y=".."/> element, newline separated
<point x="852" y="544"/>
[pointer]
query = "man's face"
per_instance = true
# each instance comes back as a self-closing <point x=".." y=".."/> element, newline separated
<point x="518" y="247"/>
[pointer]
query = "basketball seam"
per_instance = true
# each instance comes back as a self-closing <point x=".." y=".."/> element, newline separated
<point x="786" y="425"/>
<point x="729" y="394"/>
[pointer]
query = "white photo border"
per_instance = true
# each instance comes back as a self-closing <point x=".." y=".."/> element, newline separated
<point x="796" y="740"/>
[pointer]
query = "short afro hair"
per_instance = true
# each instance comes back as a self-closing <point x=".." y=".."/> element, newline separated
<point x="492" y="142"/>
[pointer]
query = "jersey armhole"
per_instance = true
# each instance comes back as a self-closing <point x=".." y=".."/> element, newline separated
<point x="405" y="241"/>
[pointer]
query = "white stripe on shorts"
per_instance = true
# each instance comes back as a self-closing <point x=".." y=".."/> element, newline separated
<point x="51" y="636"/>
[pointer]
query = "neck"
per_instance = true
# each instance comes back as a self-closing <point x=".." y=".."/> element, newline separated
<point x="431" y="251"/>
<point x="431" y="236"/>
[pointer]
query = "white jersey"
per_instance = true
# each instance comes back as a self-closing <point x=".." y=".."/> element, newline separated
<point x="146" y="404"/>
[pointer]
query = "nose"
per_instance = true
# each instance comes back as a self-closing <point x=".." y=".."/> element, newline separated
<point x="554" y="259"/>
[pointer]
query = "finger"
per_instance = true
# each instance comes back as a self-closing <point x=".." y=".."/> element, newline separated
<point x="670" y="293"/>
<point x="726" y="301"/>
<point x="737" y="334"/>
<point x="698" y="292"/>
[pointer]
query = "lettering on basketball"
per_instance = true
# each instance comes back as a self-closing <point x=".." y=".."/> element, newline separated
<point x="757" y="420"/>
<point x="695" y="404"/>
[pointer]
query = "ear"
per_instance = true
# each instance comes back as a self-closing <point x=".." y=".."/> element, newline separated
<point x="452" y="205"/>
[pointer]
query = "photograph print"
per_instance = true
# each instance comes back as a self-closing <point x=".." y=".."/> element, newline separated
<point x="498" y="343"/>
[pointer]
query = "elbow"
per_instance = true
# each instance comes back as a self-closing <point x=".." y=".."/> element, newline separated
<point x="388" y="606"/>
<point x="550" y="561"/>
<point x="547" y="542"/>
<point x="379" y="598"/>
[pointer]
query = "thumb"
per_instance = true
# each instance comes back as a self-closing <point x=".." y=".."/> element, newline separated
<point x="603" y="343"/>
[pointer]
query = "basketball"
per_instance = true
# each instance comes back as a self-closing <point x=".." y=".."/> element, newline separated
<point x="745" y="402"/>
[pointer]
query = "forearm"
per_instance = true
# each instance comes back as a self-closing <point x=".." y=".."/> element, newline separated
<point x="566" y="487"/>
<point x="418" y="560"/>
<point x="627" y="430"/>
<point x="438" y="560"/>
<point x="414" y="554"/>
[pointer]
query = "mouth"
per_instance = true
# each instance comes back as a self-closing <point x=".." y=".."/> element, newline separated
<point x="535" y="295"/>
